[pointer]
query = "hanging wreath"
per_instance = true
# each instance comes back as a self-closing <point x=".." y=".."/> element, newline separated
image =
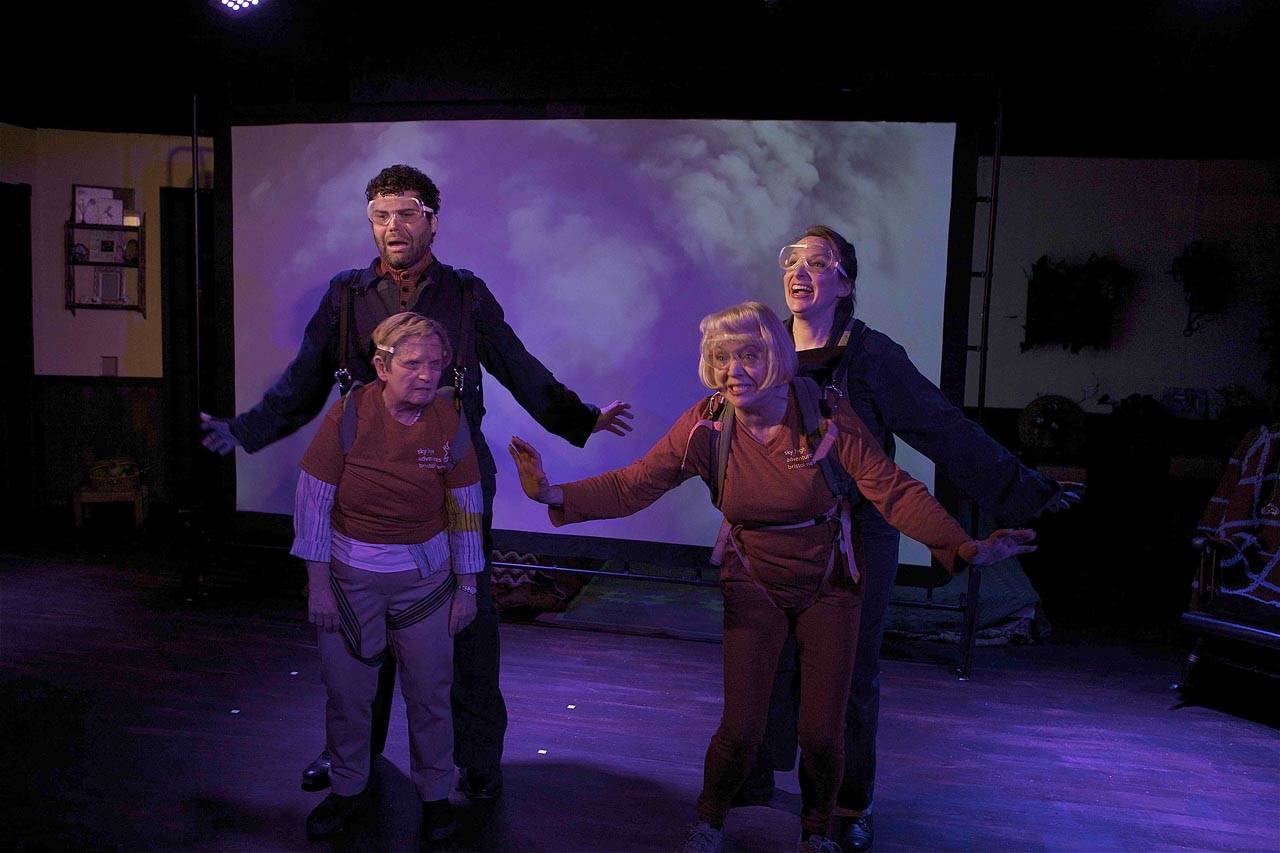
<point x="1269" y="341"/>
<point x="1207" y="277"/>
<point x="1075" y="305"/>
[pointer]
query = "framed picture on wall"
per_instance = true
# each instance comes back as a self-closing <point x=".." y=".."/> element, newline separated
<point x="108" y="286"/>
<point x="100" y="205"/>
<point x="86" y="203"/>
<point x="107" y="247"/>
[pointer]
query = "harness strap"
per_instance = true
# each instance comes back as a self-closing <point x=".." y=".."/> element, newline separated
<point x="843" y="487"/>
<point x="721" y="442"/>
<point x="341" y="375"/>
<point x="351" y="629"/>
<point x="349" y="422"/>
<point x="846" y="538"/>
<point x="714" y="426"/>
<point x="821" y="434"/>
<point x="466" y="330"/>
<point x="854" y="331"/>
<point x="728" y="534"/>
<point x="461" y="441"/>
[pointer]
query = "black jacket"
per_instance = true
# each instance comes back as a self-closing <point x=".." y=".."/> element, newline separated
<point x="478" y="333"/>
<point x="894" y="399"/>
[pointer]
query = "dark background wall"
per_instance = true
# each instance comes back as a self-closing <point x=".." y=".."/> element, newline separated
<point x="1146" y="78"/>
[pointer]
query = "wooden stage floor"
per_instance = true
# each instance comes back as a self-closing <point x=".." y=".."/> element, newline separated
<point x="134" y="722"/>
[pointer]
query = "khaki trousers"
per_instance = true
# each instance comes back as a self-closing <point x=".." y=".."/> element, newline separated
<point x="412" y="614"/>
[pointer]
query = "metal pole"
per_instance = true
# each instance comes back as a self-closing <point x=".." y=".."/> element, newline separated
<point x="195" y="227"/>
<point x="991" y="250"/>
<point x="192" y="514"/>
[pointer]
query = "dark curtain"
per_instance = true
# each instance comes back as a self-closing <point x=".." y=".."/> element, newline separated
<point x="18" y="360"/>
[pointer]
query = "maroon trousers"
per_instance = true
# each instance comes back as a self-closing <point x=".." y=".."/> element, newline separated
<point x="754" y="631"/>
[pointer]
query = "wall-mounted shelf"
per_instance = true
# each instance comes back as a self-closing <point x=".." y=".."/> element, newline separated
<point x="106" y="267"/>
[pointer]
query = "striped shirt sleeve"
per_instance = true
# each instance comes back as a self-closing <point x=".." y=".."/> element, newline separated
<point x="463" y="506"/>
<point x="312" y="527"/>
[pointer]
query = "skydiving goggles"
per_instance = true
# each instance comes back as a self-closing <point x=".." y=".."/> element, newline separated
<point x="409" y="210"/>
<point x="748" y="357"/>
<point x="816" y="258"/>
<point x="721" y="351"/>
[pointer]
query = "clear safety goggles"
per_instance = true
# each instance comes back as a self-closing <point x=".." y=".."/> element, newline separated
<point x="816" y="258"/>
<point x="748" y="353"/>
<point x="408" y="210"/>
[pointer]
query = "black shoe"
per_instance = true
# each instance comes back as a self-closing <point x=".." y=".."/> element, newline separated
<point x="438" y="821"/>
<point x="855" y="834"/>
<point x="335" y="813"/>
<point x="481" y="785"/>
<point x="316" y="776"/>
<point x="757" y="790"/>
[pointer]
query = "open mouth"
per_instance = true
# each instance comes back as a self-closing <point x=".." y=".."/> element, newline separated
<point x="799" y="290"/>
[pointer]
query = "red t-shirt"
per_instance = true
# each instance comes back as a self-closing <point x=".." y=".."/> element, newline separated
<point x="392" y="483"/>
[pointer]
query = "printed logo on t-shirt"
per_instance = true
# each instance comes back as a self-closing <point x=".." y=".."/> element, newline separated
<point x="798" y="458"/>
<point x="429" y="458"/>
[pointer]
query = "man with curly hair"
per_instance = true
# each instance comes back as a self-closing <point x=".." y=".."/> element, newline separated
<point x="403" y="208"/>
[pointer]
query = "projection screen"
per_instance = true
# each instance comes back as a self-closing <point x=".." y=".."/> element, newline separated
<point x="605" y="242"/>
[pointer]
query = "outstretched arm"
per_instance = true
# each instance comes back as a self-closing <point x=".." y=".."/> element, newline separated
<point x="1001" y="545"/>
<point x="680" y="454"/>
<point x="533" y="478"/>
<point x="914" y="409"/>
<point x="552" y="404"/>
<point x="294" y="399"/>
<point x="300" y="392"/>
<point x="907" y="505"/>
<point x="614" y="417"/>
<point x="218" y="436"/>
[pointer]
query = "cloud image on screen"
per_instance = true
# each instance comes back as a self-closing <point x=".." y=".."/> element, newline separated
<point x="605" y="243"/>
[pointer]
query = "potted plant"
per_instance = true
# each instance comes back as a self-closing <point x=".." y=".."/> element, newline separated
<point x="1207" y="277"/>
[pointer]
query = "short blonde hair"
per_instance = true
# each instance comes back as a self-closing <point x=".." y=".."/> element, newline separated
<point x="407" y="325"/>
<point x="749" y="321"/>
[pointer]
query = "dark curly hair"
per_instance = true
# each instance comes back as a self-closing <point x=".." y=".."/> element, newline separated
<point x="403" y="179"/>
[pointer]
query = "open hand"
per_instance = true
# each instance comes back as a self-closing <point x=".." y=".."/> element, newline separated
<point x="217" y="434"/>
<point x="1069" y="494"/>
<point x="533" y="479"/>
<point x="611" y="418"/>
<point x="322" y="607"/>
<point x="462" y="610"/>
<point x="1001" y="545"/>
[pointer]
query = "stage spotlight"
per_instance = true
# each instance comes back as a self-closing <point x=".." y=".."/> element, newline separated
<point x="237" y="5"/>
